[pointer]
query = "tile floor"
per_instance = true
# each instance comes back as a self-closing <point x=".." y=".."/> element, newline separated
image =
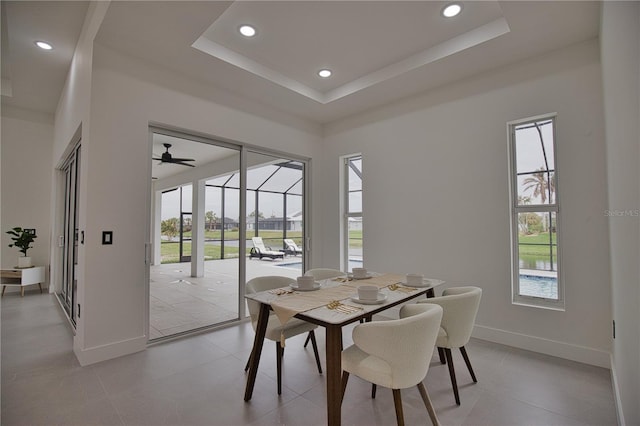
<point x="200" y="380"/>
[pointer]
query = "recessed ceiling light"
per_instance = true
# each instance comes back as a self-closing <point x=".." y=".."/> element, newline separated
<point x="324" y="73"/>
<point x="451" y="10"/>
<point x="44" y="45"/>
<point x="247" y="30"/>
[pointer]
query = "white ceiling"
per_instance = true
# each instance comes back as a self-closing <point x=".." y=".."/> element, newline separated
<point x="33" y="78"/>
<point x="379" y="51"/>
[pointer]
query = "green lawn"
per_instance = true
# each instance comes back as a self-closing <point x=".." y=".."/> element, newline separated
<point x="235" y="234"/>
<point x="355" y="238"/>
<point x="536" y="250"/>
<point x="170" y="251"/>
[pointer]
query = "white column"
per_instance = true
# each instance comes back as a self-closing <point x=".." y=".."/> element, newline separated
<point x="197" y="229"/>
<point x="156" y="229"/>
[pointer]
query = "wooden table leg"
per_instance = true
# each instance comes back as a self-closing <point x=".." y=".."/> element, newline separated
<point x="40" y="285"/>
<point x="3" y="287"/>
<point x="261" y="330"/>
<point x="334" y="371"/>
<point x="21" y="291"/>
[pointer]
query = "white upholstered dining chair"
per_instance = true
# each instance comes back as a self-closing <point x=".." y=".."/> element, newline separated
<point x="324" y="273"/>
<point x="460" y="306"/>
<point x="275" y="329"/>
<point x="396" y="353"/>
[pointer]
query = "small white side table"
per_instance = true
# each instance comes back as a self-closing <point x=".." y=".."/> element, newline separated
<point x="22" y="277"/>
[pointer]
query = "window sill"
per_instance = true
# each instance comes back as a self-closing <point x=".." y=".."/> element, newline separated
<point x="540" y="304"/>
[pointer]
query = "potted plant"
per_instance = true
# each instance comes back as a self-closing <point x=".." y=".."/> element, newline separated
<point x="22" y="238"/>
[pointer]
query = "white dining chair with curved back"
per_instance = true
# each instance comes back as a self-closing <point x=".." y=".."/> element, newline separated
<point x="275" y="329"/>
<point x="324" y="273"/>
<point x="396" y="353"/>
<point x="460" y="306"/>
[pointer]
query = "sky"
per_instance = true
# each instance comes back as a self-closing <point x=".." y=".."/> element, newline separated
<point x="529" y="155"/>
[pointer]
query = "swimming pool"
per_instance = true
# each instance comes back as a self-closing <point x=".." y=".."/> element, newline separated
<point x="538" y="286"/>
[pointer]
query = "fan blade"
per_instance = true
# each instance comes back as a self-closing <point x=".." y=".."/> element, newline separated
<point x="183" y="164"/>
<point x="174" y="159"/>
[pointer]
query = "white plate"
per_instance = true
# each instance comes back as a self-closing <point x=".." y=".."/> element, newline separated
<point x="350" y="275"/>
<point x="316" y="286"/>
<point x="426" y="282"/>
<point x="381" y="299"/>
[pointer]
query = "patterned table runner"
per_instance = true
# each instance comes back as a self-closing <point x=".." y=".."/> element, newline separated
<point x="287" y="306"/>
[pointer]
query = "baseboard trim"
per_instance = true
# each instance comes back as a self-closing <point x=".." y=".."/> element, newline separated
<point x="112" y="350"/>
<point x="616" y="394"/>
<point x="568" y="351"/>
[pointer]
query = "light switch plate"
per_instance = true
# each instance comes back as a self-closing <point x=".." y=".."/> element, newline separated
<point x="107" y="237"/>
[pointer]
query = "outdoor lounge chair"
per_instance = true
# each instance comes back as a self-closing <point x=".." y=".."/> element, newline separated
<point x="259" y="250"/>
<point x="292" y="247"/>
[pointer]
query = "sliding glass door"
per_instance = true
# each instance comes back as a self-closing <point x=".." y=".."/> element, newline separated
<point x="191" y="286"/>
<point x="70" y="237"/>
<point x="212" y="202"/>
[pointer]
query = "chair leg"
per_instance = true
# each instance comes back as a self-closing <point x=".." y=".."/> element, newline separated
<point x="312" y="335"/>
<point x="466" y="360"/>
<point x="441" y="355"/>
<point x="452" y="373"/>
<point x="345" y="379"/>
<point x="279" y="354"/>
<point x="397" y="401"/>
<point x="306" y="342"/>
<point x="374" y="388"/>
<point x="427" y="403"/>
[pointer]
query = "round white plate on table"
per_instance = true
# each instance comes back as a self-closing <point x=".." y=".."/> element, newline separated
<point x="316" y="286"/>
<point x="426" y="282"/>
<point x="381" y="298"/>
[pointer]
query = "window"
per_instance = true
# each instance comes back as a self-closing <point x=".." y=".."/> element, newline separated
<point x="353" y="212"/>
<point x="534" y="213"/>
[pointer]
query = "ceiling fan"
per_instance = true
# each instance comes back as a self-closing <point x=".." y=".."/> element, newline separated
<point x="168" y="158"/>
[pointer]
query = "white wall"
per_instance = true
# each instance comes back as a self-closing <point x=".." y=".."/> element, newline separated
<point x="27" y="140"/>
<point x="118" y="186"/>
<point x="71" y="122"/>
<point x="620" y="46"/>
<point x="436" y="196"/>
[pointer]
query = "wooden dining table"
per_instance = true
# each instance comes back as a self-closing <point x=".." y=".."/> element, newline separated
<point x="333" y="316"/>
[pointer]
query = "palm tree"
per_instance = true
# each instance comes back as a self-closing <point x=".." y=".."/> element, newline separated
<point x="542" y="184"/>
<point x="169" y="227"/>
<point x="211" y="218"/>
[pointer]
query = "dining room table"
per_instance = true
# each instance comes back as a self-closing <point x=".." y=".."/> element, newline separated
<point x="332" y="304"/>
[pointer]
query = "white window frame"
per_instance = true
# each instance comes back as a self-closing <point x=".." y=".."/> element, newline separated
<point x="515" y="209"/>
<point x="346" y="214"/>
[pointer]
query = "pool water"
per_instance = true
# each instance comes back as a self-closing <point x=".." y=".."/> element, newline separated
<point x="537" y="286"/>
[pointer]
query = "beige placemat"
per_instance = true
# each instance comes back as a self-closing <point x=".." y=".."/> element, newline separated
<point x="285" y="307"/>
<point x="381" y="281"/>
